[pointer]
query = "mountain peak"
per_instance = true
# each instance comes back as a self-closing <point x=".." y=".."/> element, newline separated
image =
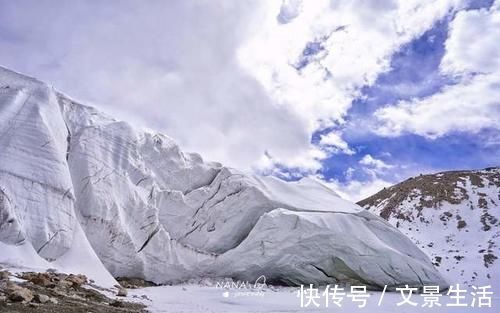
<point x="453" y="216"/>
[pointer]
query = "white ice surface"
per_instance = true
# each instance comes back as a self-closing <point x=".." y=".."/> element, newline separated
<point x="81" y="258"/>
<point x="21" y="257"/>
<point x="149" y="210"/>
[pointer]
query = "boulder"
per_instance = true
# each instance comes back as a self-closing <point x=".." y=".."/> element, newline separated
<point x="41" y="298"/>
<point x="16" y="293"/>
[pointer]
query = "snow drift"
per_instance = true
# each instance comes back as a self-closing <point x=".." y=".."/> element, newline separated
<point x="150" y="210"/>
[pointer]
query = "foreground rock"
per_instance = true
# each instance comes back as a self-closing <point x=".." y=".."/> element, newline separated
<point x="16" y="293"/>
<point x="151" y="211"/>
<point x="134" y="282"/>
<point x="56" y="292"/>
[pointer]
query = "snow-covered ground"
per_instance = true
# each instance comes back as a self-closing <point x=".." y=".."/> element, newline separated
<point x="198" y="298"/>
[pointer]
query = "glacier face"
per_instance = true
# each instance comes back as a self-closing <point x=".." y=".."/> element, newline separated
<point x="150" y="210"/>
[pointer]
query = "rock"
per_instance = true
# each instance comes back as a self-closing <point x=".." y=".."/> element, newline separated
<point x="20" y="294"/>
<point x="134" y="283"/>
<point x="41" y="298"/>
<point x="64" y="284"/>
<point x="3" y="298"/>
<point x="40" y="279"/>
<point x="76" y="280"/>
<point x="53" y="300"/>
<point x="461" y="224"/>
<point x="117" y="304"/>
<point x="4" y="275"/>
<point x="122" y="292"/>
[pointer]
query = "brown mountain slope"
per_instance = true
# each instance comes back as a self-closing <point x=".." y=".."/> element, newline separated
<point x="452" y="216"/>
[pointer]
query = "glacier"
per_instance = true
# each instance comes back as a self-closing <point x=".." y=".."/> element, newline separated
<point x="83" y="191"/>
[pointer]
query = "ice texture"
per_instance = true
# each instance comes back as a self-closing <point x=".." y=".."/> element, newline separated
<point x="76" y="183"/>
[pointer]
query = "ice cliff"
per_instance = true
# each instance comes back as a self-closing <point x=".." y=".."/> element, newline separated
<point x="74" y="179"/>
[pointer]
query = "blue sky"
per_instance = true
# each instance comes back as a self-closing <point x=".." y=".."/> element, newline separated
<point x="359" y="94"/>
<point x="414" y="73"/>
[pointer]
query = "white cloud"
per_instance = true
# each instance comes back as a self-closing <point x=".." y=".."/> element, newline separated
<point x="374" y="163"/>
<point x="289" y="10"/>
<point x="334" y="141"/>
<point x="358" y="190"/>
<point x="372" y="175"/>
<point x="472" y="55"/>
<point x="473" y="42"/>
<point x="301" y="164"/>
<point x="469" y="106"/>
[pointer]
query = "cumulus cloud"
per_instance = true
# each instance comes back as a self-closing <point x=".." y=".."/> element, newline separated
<point x="473" y="102"/>
<point x="374" y="163"/>
<point x="289" y="10"/>
<point x="334" y="141"/>
<point x="357" y="190"/>
<point x="472" y="46"/>
<point x="469" y="106"/>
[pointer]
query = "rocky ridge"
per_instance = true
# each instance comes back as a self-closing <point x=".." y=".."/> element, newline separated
<point x="452" y="216"/>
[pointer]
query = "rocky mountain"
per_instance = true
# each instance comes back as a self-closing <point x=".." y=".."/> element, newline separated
<point x="452" y="216"/>
<point x="81" y="191"/>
